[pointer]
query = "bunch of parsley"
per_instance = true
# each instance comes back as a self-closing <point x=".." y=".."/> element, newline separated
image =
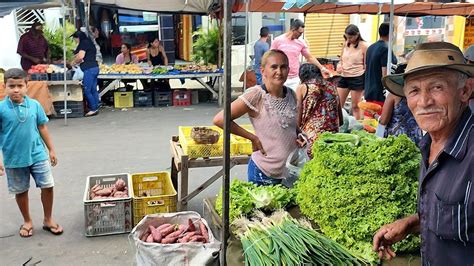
<point x="351" y="191"/>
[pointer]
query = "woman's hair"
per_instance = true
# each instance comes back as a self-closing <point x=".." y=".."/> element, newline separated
<point x="353" y="30"/>
<point x="129" y="47"/>
<point x="272" y="52"/>
<point x="308" y="72"/>
<point x="152" y="40"/>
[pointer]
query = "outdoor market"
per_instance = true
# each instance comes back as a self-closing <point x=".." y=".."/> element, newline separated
<point x="245" y="132"/>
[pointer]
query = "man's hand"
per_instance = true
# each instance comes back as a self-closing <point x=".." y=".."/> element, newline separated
<point x="52" y="158"/>
<point x="390" y="234"/>
<point x="257" y="145"/>
<point x="2" y="169"/>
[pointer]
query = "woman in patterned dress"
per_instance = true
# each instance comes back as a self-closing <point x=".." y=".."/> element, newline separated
<point x="319" y="109"/>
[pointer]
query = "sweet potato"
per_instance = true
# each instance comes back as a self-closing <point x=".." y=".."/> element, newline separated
<point x="119" y="194"/>
<point x="149" y="239"/>
<point x="198" y="238"/>
<point x="95" y="188"/>
<point x="104" y="192"/>
<point x="177" y="233"/>
<point x="144" y="236"/>
<point x="120" y="184"/>
<point x="191" y="227"/>
<point x="168" y="230"/>
<point x="156" y="234"/>
<point x="187" y="237"/>
<point x="163" y="226"/>
<point x="204" y="232"/>
<point x="170" y="240"/>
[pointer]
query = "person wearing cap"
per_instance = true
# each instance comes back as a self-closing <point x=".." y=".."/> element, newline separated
<point x="437" y="94"/>
<point x="293" y="47"/>
<point x="85" y="57"/>
<point x="33" y="47"/>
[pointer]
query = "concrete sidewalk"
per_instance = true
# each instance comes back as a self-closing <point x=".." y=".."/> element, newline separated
<point x="115" y="141"/>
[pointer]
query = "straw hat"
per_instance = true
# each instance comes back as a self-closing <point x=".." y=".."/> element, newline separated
<point x="428" y="56"/>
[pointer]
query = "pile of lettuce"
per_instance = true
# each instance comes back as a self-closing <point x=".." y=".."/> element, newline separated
<point x="356" y="183"/>
<point x="246" y="197"/>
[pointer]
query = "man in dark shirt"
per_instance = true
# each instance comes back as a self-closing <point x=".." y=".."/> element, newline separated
<point x="376" y="67"/>
<point x="435" y="85"/>
<point x="33" y="47"/>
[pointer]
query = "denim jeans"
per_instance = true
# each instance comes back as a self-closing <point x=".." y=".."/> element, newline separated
<point x="256" y="176"/>
<point x="90" y="88"/>
<point x="258" y="74"/>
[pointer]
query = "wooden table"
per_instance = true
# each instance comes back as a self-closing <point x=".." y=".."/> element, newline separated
<point x="181" y="162"/>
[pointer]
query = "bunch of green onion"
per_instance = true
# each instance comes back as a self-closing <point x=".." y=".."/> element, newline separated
<point x="283" y="240"/>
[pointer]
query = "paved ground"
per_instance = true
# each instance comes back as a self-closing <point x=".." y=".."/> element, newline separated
<point x="136" y="140"/>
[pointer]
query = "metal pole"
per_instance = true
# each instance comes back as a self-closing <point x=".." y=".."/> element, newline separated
<point x="246" y="40"/>
<point x="63" y="9"/>
<point x="227" y="100"/>
<point x="390" y="38"/>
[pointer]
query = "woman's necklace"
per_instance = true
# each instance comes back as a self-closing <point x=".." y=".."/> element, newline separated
<point x="17" y="114"/>
<point x="280" y="107"/>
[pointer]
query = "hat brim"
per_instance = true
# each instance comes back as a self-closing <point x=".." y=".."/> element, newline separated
<point x="395" y="83"/>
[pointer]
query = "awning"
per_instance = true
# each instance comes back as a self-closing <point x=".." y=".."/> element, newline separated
<point x="409" y="9"/>
<point x="6" y="7"/>
<point x="165" y="6"/>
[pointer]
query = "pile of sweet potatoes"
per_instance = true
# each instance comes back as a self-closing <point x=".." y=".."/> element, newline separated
<point x="118" y="190"/>
<point x="176" y="233"/>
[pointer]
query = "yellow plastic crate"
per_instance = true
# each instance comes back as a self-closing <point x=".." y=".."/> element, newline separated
<point x="123" y="99"/>
<point x="195" y="150"/>
<point x="152" y="193"/>
<point x="242" y="146"/>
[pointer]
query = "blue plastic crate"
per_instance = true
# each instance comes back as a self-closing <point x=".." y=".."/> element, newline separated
<point x="39" y="77"/>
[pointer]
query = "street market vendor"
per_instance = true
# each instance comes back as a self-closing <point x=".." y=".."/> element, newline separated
<point x="437" y="92"/>
<point x="272" y="111"/>
<point x="33" y="47"/>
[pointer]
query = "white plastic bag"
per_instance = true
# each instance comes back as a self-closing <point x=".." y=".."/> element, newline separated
<point x="294" y="164"/>
<point x="78" y="74"/>
<point x="174" y="254"/>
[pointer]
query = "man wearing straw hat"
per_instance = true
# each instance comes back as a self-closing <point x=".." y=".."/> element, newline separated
<point x="437" y="93"/>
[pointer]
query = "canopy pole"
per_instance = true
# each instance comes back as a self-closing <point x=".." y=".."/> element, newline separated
<point x="390" y="38"/>
<point x="63" y="11"/>
<point x="246" y="41"/>
<point x="227" y="114"/>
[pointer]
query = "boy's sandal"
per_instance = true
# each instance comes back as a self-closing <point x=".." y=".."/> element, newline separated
<point x="28" y="230"/>
<point x="51" y="228"/>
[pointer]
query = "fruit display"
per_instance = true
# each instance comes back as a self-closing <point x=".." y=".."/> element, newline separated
<point x="196" y="68"/>
<point x="160" y="70"/>
<point x="120" y="69"/>
<point x="46" y="69"/>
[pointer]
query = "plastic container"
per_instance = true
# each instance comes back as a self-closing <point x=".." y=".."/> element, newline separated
<point x="60" y="76"/>
<point x="73" y="92"/>
<point x="195" y="150"/>
<point x="242" y="146"/>
<point x="123" y="99"/>
<point x="39" y="77"/>
<point x="107" y="216"/>
<point x="142" y="98"/>
<point x="162" y="98"/>
<point x="152" y="193"/>
<point x="182" y="98"/>
<point x="74" y="109"/>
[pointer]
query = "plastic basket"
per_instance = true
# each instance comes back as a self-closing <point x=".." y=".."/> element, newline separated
<point x="242" y="146"/>
<point x="107" y="216"/>
<point x="195" y="150"/>
<point x="123" y="99"/>
<point x="152" y="193"/>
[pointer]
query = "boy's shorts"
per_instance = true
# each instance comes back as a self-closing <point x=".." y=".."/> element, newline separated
<point x="19" y="178"/>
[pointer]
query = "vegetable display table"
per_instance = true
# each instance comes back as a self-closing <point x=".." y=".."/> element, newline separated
<point x="180" y="162"/>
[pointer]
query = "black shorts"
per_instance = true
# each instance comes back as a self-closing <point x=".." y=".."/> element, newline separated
<point x="352" y="83"/>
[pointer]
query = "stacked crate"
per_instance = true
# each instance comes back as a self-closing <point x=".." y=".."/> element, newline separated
<point x="74" y="100"/>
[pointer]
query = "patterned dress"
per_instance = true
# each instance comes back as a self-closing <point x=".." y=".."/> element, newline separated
<point x="320" y="111"/>
<point x="403" y="122"/>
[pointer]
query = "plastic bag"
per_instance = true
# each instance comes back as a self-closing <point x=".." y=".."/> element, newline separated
<point x="78" y="74"/>
<point x="294" y="164"/>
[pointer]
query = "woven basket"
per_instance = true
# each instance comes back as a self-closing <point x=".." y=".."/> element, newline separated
<point x="204" y="135"/>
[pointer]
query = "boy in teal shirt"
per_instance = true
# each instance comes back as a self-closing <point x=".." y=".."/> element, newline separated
<point x="23" y="135"/>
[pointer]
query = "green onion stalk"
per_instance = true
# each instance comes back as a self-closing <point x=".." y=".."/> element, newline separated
<point x="282" y="240"/>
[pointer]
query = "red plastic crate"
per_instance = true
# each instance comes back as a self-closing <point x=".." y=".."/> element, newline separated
<point x="182" y="98"/>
